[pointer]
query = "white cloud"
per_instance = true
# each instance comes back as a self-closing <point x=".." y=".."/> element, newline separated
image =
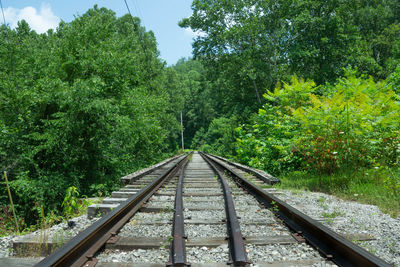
<point x="39" y="21"/>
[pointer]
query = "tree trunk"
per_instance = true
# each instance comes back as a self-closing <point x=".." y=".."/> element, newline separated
<point x="256" y="89"/>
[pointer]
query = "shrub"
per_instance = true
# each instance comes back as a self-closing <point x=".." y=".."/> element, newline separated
<point x="355" y="124"/>
<point x="323" y="129"/>
<point x="268" y="142"/>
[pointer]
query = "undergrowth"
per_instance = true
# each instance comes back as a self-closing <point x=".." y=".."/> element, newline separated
<point x="73" y="205"/>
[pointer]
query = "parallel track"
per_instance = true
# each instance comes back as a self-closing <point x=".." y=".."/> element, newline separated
<point x="202" y="190"/>
<point x="333" y="246"/>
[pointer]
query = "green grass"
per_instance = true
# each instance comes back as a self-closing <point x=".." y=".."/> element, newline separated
<point x="380" y="187"/>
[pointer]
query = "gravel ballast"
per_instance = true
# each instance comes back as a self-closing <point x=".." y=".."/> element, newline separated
<point x="207" y="255"/>
<point x="134" y="230"/>
<point x="214" y="199"/>
<point x="205" y="230"/>
<point x="201" y="215"/>
<point x="142" y="217"/>
<point x="5" y="246"/>
<point x="350" y="217"/>
<point x="57" y="233"/>
<point x="136" y="255"/>
<point x="274" y="252"/>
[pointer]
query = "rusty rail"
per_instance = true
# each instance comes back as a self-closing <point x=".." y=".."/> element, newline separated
<point x="236" y="243"/>
<point x="178" y="244"/>
<point x="127" y="179"/>
<point x="263" y="176"/>
<point x="81" y="249"/>
<point x="327" y="242"/>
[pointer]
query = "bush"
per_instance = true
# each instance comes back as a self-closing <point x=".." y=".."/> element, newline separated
<point x="355" y="124"/>
<point x="394" y="80"/>
<point x="268" y="142"/>
<point x="324" y="129"/>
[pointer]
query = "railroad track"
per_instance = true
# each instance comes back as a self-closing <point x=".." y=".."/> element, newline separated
<point x="202" y="210"/>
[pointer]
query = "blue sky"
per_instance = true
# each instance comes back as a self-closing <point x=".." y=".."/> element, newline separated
<point x="160" y="16"/>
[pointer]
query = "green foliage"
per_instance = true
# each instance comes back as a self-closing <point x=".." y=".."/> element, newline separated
<point x="91" y="101"/>
<point x="355" y="124"/>
<point x="219" y="139"/>
<point x="352" y="124"/>
<point x="240" y="49"/>
<point x="81" y="105"/>
<point x="267" y="143"/>
<point x="7" y="222"/>
<point x="322" y="39"/>
<point x="186" y="83"/>
<point x="71" y="202"/>
<point x="248" y="46"/>
<point x="99" y="190"/>
<point x="391" y="180"/>
<point x="394" y="80"/>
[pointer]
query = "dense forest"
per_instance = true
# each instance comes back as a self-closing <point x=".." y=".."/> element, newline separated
<point x="80" y="106"/>
<point x="297" y="88"/>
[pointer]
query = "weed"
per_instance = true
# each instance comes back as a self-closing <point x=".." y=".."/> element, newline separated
<point x="323" y="205"/>
<point x="167" y="242"/>
<point x="248" y="176"/>
<point x="59" y="238"/>
<point x="275" y="207"/>
<point x="70" y="202"/>
<point x="392" y="246"/>
<point x="321" y="200"/>
<point x="368" y="247"/>
<point x="331" y="215"/>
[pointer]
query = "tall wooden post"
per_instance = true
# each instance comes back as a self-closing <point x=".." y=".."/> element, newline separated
<point x="183" y="147"/>
<point x="11" y="201"/>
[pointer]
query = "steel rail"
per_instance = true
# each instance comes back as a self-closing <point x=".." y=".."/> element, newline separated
<point x="81" y="249"/>
<point x="127" y="179"/>
<point x="269" y="179"/>
<point x="236" y="243"/>
<point x="178" y="244"/>
<point x="333" y="246"/>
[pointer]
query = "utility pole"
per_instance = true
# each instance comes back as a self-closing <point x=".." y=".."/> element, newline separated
<point x="183" y="147"/>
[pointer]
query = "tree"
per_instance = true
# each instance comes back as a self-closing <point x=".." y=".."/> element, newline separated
<point x="189" y="91"/>
<point x="248" y="46"/>
<point x="80" y="106"/>
<point x="240" y="45"/>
